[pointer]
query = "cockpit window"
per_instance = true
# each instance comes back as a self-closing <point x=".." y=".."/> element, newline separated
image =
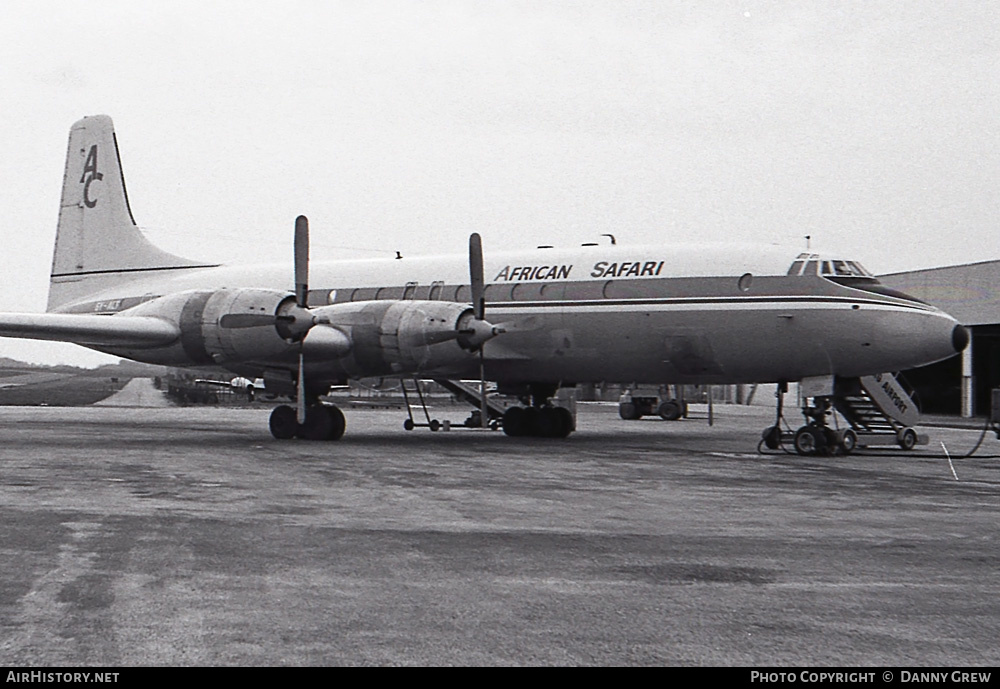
<point x="811" y="264"/>
<point x="859" y="270"/>
<point x="844" y="269"/>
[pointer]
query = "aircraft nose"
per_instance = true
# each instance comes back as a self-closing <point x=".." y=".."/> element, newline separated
<point x="960" y="338"/>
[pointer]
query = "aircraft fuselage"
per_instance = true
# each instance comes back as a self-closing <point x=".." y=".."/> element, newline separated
<point x="675" y="314"/>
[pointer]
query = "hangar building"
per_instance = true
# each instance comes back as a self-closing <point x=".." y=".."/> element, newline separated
<point x="970" y="293"/>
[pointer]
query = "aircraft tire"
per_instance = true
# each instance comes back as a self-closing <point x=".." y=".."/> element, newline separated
<point x="772" y="437"/>
<point x="318" y="424"/>
<point x="532" y="428"/>
<point x="515" y="422"/>
<point x="283" y="423"/>
<point x="567" y="424"/>
<point x="338" y="423"/>
<point x="670" y="410"/>
<point x="548" y="423"/>
<point x="809" y="440"/>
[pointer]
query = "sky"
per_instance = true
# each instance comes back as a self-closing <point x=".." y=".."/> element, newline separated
<point x="871" y="127"/>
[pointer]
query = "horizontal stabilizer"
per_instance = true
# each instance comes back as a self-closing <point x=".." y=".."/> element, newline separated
<point x="110" y="331"/>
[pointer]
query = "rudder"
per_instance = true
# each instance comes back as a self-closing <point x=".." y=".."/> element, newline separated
<point x="98" y="243"/>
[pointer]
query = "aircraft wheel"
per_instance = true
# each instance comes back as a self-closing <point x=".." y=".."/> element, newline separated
<point x="532" y="426"/>
<point x="670" y="410"/>
<point x="283" y="423"/>
<point x="318" y="424"/>
<point x="772" y="437"/>
<point x="408" y="424"/>
<point x="566" y="423"/>
<point x="809" y="440"/>
<point x="547" y="423"/>
<point x="515" y="422"/>
<point x="628" y="411"/>
<point x="338" y="423"/>
<point x="848" y="442"/>
<point x="908" y="439"/>
<point x="435" y="425"/>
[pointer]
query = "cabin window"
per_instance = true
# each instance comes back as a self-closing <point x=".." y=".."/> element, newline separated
<point x="796" y="268"/>
<point x="331" y="297"/>
<point x="811" y="268"/>
<point x="435" y="292"/>
<point x="408" y="291"/>
<point x="745" y="281"/>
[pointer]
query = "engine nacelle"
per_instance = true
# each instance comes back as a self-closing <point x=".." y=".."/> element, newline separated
<point x="264" y="328"/>
<point x="401" y="336"/>
<point x="204" y="339"/>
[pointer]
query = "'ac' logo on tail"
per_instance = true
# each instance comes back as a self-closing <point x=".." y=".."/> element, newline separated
<point x="90" y="167"/>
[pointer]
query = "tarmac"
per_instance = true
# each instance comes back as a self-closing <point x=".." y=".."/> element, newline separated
<point x="188" y="536"/>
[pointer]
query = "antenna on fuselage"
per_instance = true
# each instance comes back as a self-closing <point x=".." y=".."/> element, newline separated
<point x="612" y="237"/>
<point x="808" y="238"/>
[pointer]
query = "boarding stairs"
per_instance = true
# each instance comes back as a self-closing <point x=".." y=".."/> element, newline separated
<point x="470" y="392"/>
<point x="879" y="410"/>
<point x="464" y="391"/>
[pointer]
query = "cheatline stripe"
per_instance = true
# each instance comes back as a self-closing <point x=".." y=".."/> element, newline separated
<point x="679" y="303"/>
<point x="127" y="270"/>
<point x="752" y="302"/>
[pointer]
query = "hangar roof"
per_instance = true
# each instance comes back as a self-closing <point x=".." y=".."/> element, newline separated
<point x="970" y="292"/>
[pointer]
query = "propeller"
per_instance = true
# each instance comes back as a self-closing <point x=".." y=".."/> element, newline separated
<point x="474" y="330"/>
<point x="294" y="320"/>
<point x="478" y="287"/>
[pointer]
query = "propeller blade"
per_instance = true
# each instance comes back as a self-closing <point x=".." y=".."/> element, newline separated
<point x="302" y="261"/>
<point x="476" y="280"/>
<point x="336" y="315"/>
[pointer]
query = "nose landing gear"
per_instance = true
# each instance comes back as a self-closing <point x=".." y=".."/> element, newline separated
<point x="815" y="437"/>
<point x="876" y="410"/>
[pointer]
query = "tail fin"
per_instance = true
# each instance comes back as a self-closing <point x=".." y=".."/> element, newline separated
<point x="97" y="242"/>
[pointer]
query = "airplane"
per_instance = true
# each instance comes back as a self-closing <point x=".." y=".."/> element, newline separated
<point x="671" y="313"/>
<point x="239" y="384"/>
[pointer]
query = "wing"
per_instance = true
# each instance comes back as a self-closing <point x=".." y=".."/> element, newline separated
<point x="130" y="331"/>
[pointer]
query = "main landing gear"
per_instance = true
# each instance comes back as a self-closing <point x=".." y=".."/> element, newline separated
<point x="538" y="418"/>
<point x="538" y="422"/>
<point x="323" y="422"/>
